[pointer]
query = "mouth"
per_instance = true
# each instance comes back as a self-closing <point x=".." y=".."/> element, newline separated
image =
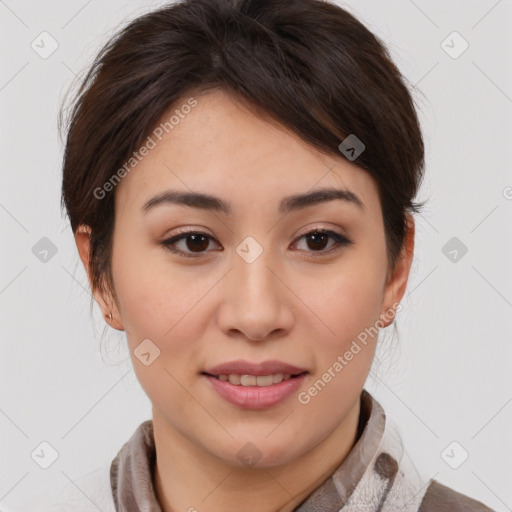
<point x="255" y="386"/>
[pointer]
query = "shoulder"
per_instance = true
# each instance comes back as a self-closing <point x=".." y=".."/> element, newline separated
<point x="440" y="498"/>
<point x="88" y="493"/>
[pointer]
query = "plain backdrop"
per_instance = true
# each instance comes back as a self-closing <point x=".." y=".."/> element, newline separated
<point x="445" y="378"/>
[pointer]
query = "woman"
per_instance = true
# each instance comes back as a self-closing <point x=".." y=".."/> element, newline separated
<point x="240" y="180"/>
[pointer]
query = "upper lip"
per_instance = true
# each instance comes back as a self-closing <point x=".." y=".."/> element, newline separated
<point x="242" y="367"/>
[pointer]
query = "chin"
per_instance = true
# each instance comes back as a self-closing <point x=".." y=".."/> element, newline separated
<point x="259" y="451"/>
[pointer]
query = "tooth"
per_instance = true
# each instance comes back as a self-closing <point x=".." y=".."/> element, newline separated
<point x="264" y="380"/>
<point x="253" y="380"/>
<point x="234" y="378"/>
<point x="248" y="380"/>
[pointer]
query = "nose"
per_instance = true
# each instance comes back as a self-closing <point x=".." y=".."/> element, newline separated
<point x="257" y="303"/>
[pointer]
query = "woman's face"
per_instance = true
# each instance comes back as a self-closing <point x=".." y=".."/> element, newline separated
<point x="255" y="284"/>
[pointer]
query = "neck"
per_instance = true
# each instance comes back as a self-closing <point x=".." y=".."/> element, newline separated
<point x="189" y="478"/>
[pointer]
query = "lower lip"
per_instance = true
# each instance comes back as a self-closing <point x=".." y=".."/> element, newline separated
<point x="256" y="397"/>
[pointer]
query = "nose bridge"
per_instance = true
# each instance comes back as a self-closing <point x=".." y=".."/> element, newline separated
<point x="252" y="268"/>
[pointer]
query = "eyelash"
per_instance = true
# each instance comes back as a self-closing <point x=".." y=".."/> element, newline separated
<point x="340" y="241"/>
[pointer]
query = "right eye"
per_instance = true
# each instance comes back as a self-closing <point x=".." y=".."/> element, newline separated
<point x="195" y="242"/>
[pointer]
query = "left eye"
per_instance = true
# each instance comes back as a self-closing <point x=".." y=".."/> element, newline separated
<point x="318" y="238"/>
<point x="198" y="242"/>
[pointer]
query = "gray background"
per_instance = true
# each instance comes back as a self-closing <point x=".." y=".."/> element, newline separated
<point x="448" y="379"/>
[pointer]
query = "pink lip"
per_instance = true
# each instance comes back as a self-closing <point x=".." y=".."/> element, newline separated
<point x="256" y="397"/>
<point x="242" y="367"/>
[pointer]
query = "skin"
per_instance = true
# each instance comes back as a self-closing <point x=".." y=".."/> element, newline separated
<point x="290" y="304"/>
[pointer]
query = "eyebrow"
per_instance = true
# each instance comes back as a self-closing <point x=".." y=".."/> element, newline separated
<point x="287" y="204"/>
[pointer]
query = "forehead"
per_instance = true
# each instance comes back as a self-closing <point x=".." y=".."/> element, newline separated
<point x="221" y="147"/>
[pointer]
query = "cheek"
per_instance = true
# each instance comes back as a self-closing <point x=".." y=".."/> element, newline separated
<point x="159" y="309"/>
<point x="349" y="299"/>
<point x="348" y="304"/>
<point x="152" y="300"/>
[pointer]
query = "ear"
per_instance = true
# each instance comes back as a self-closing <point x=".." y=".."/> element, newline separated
<point x="396" y="283"/>
<point x="104" y="300"/>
